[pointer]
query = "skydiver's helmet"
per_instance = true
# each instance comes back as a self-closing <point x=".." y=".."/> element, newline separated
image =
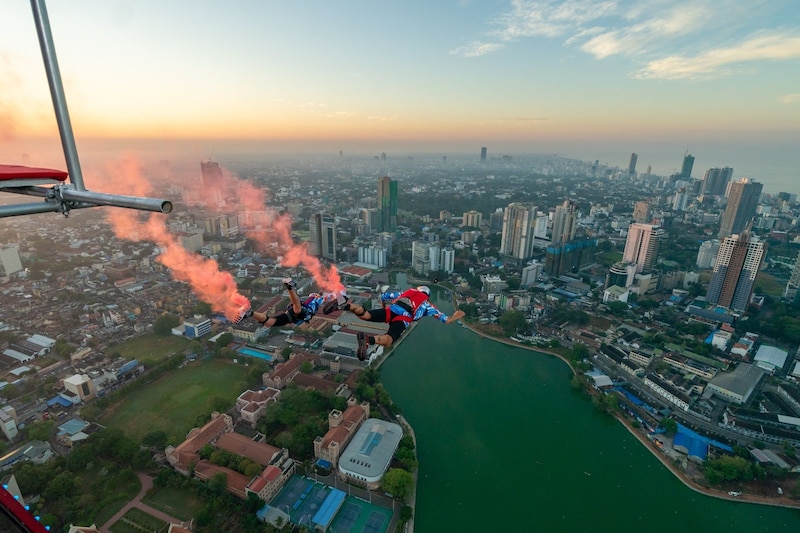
<point x="424" y="289"/>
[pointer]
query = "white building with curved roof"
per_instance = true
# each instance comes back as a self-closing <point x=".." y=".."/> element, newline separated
<point x="370" y="452"/>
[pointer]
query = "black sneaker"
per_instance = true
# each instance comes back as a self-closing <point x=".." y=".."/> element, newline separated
<point x="362" y="345"/>
<point x="289" y="283"/>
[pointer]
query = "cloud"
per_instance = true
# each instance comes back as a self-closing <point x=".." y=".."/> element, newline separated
<point x="666" y="39"/>
<point x="476" y="49"/>
<point x="772" y="47"/>
<point x="790" y="98"/>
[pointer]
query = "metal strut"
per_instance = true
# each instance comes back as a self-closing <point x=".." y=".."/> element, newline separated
<point x="62" y="198"/>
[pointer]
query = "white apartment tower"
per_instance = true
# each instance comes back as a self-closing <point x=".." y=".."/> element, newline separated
<point x="565" y="222"/>
<point x="642" y="245"/>
<point x="518" y="229"/>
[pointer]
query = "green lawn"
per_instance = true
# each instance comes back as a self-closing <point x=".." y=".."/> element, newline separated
<point x="150" y="347"/>
<point x="175" y="502"/>
<point x="137" y="520"/>
<point x="173" y="402"/>
<point x="769" y="285"/>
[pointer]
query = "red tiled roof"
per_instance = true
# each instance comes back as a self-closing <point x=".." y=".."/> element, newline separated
<point x="236" y="482"/>
<point x="258" y="452"/>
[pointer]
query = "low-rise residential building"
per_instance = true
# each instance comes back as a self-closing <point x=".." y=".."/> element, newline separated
<point x="283" y="373"/>
<point x="668" y="391"/>
<point x="252" y="405"/>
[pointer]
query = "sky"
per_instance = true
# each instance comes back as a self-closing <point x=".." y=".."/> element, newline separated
<point x="590" y="79"/>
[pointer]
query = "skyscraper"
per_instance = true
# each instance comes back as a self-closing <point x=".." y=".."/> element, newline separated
<point x="738" y="262"/>
<point x="211" y="173"/>
<point x="483" y="153"/>
<point x="793" y="284"/>
<point x="641" y="212"/>
<point x="742" y="203"/>
<point x="518" y="228"/>
<point x="641" y="246"/>
<point x="387" y="204"/>
<point x="715" y="181"/>
<point x="632" y="165"/>
<point x="686" y="168"/>
<point x="565" y="222"/>
<point x="322" y="236"/>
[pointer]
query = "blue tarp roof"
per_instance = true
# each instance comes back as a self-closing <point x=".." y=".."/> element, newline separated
<point x="696" y="444"/>
<point x="58" y="400"/>
<point x="329" y="508"/>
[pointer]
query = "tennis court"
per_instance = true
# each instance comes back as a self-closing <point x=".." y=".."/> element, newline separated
<point x="362" y="517"/>
<point x="305" y="500"/>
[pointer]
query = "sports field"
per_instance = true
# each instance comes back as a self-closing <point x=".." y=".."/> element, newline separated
<point x="150" y="347"/>
<point x="302" y="498"/>
<point x="174" y="401"/>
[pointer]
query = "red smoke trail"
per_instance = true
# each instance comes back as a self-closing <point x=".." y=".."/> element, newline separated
<point x="209" y="283"/>
<point x="274" y="230"/>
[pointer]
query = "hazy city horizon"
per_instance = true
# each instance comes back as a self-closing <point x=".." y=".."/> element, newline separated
<point x="774" y="165"/>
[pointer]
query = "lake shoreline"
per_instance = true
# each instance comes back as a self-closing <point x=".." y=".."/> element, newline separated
<point x="683" y="477"/>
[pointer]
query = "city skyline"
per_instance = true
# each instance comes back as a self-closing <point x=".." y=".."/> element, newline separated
<point x="589" y="80"/>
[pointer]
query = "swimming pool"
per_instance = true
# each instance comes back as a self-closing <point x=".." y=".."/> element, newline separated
<point x="252" y="352"/>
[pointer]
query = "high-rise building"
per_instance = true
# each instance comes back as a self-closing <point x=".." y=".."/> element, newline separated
<point x="496" y="220"/>
<point x="565" y="222"/>
<point x="715" y="181"/>
<point x="472" y="219"/>
<point x="425" y="257"/>
<point x="686" y="168"/>
<point x="641" y="246"/>
<point x="742" y="203"/>
<point x="517" y="237"/>
<point x="569" y="257"/>
<point x="738" y="261"/>
<point x="322" y="236"/>
<point x="483" y="153"/>
<point x="531" y="273"/>
<point x="370" y="218"/>
<point x="793" y="284"/>
<point x="9" y="260"/>
<point x="707" y="255"/>
<point x="373" y="255"/>
<point x="387" y="204"/>
<point x="448" y="260"/>
<point x="632" y="165"/>
<point x="681" y="199"/>
<point x="211" y="173"/>
<point x="642" y="213"/>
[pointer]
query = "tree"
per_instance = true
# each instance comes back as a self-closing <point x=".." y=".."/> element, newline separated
<point x="201" y="308"/>
<point x="155" y="439"/>
<point x="579" y="351"/>
<point x="617" y="308"/>
<point x="40" y="430"/>
<point x="669" y="425"/>
<point x="164" y="324"/>
<point x="512" y="321"/>
<point x="398" y="482"/>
